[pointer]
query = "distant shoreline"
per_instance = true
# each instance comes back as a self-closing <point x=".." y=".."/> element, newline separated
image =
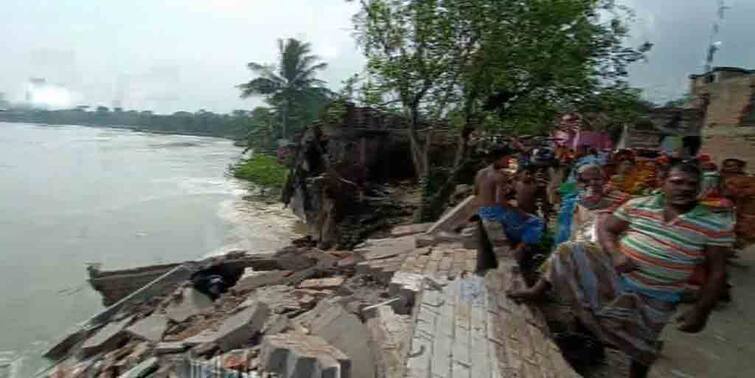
<point x="131" y="128"/>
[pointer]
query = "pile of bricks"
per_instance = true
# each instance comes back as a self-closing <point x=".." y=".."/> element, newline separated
<point x="393" y="307"/>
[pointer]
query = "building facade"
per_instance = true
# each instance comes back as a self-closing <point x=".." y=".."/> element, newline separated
<point x="728" y="96"/>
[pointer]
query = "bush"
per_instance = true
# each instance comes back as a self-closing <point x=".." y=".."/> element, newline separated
<point x="263" y="170"/>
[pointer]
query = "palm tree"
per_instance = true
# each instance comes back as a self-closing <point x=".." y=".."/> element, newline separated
<point x="291" y="86"/>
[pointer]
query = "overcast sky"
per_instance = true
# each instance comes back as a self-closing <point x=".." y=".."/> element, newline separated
<point x="170" y="55"/>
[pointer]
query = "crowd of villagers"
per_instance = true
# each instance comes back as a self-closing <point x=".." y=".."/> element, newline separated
<point x="633" y="235"/>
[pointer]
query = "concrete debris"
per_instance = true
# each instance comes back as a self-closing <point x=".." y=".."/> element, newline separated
<point x="276" y="324"/>
<point x="424" y="240"/>
<point x="144" y="369"/>
<point x="322" y="283"/>
<point x="279" y="299"/>
<point x="378" y="249"/>
<point x="406" y="286"/>
<point x="348" y="261"/>
<point x="236" y="360"/>
<point x="301" y="356"/>
<point x="150" y="328"/>
<point x="457" y="217"/>
<point x="345" y="331"/>
<point x="170" y="347"/>
<point x="392" y="335"/>
<point x="205" y="337"/>
<point x="238" y="329"/>
<point x="410" y="229"/>
<point x="304" y="312"/>
<point x="106" y="338"/>
<point x="252" y="279"/>
<point x="188" y="303"/>
<point x="469" y="237"/>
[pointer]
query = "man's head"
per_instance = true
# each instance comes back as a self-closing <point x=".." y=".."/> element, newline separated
<point x="681" y="183"/>
<point x="733" y="166"/>
<point x="500" y="156"/>
<point x="526" y="174"/>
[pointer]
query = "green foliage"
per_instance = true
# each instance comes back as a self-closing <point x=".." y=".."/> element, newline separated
<point x="679" y="102"/>
<point x="506" y="66"/>
<point x="290" y="87"/>
<point x="263" y="170"/>
<point x="525" y="61"/>
<point x="236" y="125"/>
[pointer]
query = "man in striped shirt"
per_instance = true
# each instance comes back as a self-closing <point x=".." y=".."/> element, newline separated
<point x="656" y="243"/>
<point x="626" y="290"/>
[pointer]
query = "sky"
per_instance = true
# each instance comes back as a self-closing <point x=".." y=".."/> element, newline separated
<point x="171" y="55"/>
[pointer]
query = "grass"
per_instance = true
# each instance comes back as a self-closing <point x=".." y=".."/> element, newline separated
<point x="262" y="170"/>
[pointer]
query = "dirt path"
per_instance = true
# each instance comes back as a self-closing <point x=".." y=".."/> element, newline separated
<point x="726" y="348"/>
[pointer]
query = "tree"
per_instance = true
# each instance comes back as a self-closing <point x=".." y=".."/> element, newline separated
<point x="416" y="51"/>
<point x="290" y="87"/>
<point x="500" y="64"/>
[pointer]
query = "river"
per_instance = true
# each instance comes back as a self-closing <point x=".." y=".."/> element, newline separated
<point x="72" y="195"/>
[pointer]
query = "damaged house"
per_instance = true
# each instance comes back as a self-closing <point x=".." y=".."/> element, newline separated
<point x="347" y="169"/>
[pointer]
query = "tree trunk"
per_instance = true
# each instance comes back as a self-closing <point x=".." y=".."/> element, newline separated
<point x="433" y="204"/>
<point x="419" y="157"/>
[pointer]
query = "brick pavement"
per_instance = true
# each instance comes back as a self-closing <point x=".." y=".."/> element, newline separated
<point x="468" y="328"/>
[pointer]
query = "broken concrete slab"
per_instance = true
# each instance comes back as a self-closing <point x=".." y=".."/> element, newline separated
<point x="170" y="347"/>
<point x="252" y="279"/>
<point x="106" y="338"/>
<point x="150" y="328"/>
<point x="300" y="356"/>
<point x="190" y="302"/>
<point x="406" y="286"/>
<point x="457" y="217"/>
<point x="410" y="229"/>
<point x="279" y="299"/>
<point x="348" y="261"/>
<point x="63" y="347"/>
<point x="239" y="328"/>
<point x="392" y="335"/>
<point x="470" y="237"/>
<point x="342" y="329"/>
<point x="276" y="324"/>
<point x="424" y="240"/>
<point x="377" y="249"/>
<point x="142" y="370"/>
<point x="204" y="337"/>
<point x="440" y="237"/>
<point x="322" y="283"/>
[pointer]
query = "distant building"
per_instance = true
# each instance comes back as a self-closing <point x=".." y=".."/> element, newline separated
<point x="730" y="92"/>
<point x="670" y="129"/>
<point x="727" y="95"/>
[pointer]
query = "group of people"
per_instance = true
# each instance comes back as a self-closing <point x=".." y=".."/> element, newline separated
<point x="623" y="261"/>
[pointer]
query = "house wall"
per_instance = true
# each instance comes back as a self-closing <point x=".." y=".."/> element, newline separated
<point x="729" y="94"/>
<point x="730" y="142"/>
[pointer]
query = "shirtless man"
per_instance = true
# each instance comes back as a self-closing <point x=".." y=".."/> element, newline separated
<point x="501" y="222"/>
<point x="492" y="186"/>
